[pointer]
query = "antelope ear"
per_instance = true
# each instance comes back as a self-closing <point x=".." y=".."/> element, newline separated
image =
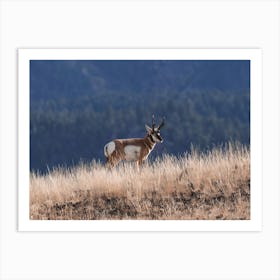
<point x="149" y="130"/>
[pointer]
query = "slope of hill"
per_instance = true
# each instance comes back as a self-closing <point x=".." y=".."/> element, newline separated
<point x="54" y="79"/>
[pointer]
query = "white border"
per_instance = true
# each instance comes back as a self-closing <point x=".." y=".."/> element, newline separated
<point x="254" y="55"/>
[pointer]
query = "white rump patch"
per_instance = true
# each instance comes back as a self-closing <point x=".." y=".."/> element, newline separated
<point x="132" y="152"/>
<point x="109" y="148"/>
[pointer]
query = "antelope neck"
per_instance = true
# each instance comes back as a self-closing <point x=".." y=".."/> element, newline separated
<point x="150" y="141"/>
<point x="151" y="138"/>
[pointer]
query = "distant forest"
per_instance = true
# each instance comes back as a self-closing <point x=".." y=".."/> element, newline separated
<point x="76" y="107"/>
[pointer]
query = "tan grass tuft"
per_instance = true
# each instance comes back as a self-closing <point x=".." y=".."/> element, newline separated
<point x="212" y="185"/>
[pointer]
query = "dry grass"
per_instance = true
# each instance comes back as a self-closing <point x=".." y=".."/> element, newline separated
<point x="211" y="186"/>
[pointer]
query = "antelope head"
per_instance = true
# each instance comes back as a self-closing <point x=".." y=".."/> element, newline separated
<point x="154" y="132"/>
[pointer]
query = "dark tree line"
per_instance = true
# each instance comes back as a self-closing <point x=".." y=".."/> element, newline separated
<point x="66" y="130"/>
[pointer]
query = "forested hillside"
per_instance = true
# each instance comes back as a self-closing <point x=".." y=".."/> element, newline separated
<point x="78" y="106"/>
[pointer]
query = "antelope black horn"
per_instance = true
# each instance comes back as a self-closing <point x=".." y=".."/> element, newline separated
<point x="153" y="122"/>
<point x="162" y="124"/>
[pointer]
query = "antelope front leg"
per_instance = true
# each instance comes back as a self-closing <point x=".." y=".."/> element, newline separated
<point x="139" y="164"/>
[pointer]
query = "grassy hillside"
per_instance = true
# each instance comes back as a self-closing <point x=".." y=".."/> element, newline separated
<point x="213" y="185"/>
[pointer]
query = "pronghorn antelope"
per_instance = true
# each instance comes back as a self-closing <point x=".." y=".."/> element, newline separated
<point x="133" y="149"/>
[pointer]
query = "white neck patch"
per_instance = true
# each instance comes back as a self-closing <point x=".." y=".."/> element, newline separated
<point x="154" y="138"/>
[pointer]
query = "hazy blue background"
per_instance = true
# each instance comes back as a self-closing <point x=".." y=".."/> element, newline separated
<point x="78" y="106"/>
